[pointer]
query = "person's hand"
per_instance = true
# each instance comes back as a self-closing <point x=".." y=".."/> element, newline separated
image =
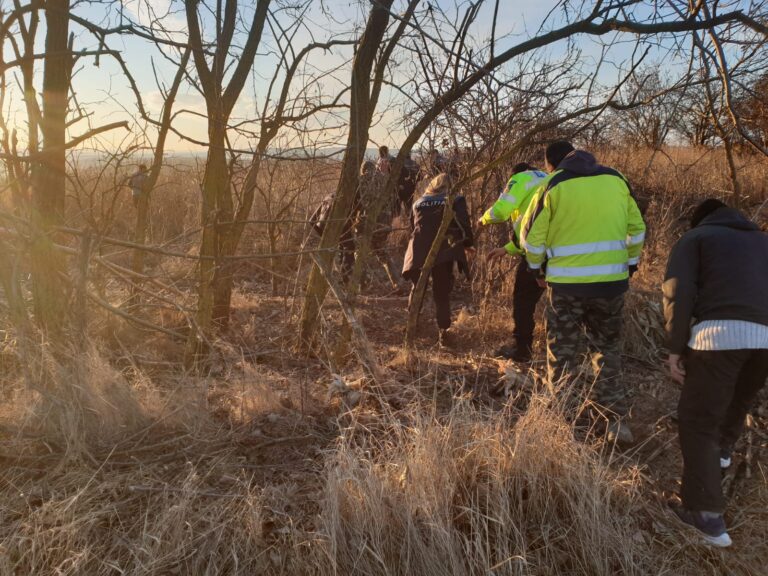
<point x="496" y="253"/>
<point x="676" y="368"/>
<point x="541" y="281"/>
<point x="470" y="251"/>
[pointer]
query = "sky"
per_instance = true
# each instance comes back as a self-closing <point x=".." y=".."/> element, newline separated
<point x="102" y="89"/>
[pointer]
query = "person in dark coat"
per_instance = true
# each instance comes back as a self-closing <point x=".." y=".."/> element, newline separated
<point x="716" y="313"/>
<point x="406" y="185"/>
<point x="347" y="243"/>
<point x="427" y="216"/>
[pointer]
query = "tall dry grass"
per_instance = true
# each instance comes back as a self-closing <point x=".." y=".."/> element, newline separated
<point x="476" y="492"/>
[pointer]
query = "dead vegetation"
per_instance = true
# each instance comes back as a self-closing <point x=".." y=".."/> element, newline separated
<point x="125" y="463"/>
<point x="477" y="492"/>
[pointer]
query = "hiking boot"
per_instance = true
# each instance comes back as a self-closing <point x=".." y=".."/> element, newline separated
<point x="620" y="433"/>
<point x="710" y="525"/>
<point x="726" y="457"/>
<point x="445" y="338"/>
<point x="509" y="352"/>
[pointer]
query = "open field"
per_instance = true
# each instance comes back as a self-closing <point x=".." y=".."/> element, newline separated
<point x="124" y="463"/>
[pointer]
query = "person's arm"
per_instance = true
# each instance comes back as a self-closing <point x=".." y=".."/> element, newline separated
<point x="461" y="215"/>
<point x="512" y="249"/>
<point x="680" y="289"/>
<point x="503" y="209"/>
<point x="635" y="233"/>
<point x="535" y="229"/>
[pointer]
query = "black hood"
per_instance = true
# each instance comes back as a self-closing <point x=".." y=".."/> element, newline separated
<point x="579" y="162"/>
<point x="729" y="217"/>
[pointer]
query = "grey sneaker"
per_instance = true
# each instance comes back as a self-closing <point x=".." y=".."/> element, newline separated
<point x="711" y="526"/>
<point x="726" y="457"/>
<point x="620" y="433"/>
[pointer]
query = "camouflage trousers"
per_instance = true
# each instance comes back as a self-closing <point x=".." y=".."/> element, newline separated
<point x="584" y="333"/>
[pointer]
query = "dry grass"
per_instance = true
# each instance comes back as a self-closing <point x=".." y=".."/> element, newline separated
<point x="136" y="521"/>
<point x="123" y="464"/>
<point x="474" y="492"/>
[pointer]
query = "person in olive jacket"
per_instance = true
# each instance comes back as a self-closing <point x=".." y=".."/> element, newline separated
<point x="716" y="313"/>
<point x="427" y="216"/>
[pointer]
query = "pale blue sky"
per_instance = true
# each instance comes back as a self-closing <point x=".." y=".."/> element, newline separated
<point x="103" y="90"/>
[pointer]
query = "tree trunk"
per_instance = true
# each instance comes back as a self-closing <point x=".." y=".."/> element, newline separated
<point x="733" y="171"/>
<point x="215" y="187"/>
<point x="357" y="141"/>
<point x="230" y="235"/>
<point x="376" y="202"/>
<point x="48" y="172"/>
<point x="220" y="236"/>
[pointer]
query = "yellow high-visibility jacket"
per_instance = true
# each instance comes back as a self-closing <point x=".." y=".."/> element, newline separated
<point x="584" y="223"/>
<point x="512" y="204"/>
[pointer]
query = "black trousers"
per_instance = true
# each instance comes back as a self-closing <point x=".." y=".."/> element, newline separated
<point x="525" y="296"/>
<point x="719" y="390"/>
<point x="442" y="284"/>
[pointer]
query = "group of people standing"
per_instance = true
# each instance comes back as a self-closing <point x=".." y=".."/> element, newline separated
<point x="579" y="233"/>
<point x="372" y="179"/>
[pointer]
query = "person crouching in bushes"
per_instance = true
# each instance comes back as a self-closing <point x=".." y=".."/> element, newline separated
<point x="427" y="216"/>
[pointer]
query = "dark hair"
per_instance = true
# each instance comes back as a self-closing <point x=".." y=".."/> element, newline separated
<point x="383" y="150"/>
<point x="367" y="168"/>
<point x="143" y="167"/>
<point x="557" y="151"/>
<point x="520" y="167"/>
<point x="705" y="209"/>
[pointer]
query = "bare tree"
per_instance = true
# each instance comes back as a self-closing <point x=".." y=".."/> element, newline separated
<point x="694" y="121"/>
<point x="48" y="168"/>
<point x="364" y="96"/>
<point x="649" y="124"/>
<point x="163" y="128"/>
<point x="220" y="99"/>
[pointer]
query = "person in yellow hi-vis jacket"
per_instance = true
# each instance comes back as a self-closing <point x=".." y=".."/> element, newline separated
<point x="511" y="206"/>
<point x="584" y="232"/>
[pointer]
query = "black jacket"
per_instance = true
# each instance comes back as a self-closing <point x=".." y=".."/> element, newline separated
<point x="427" y="215"/>
<point x="406" y="185"/>
<point x="716" y="271"/>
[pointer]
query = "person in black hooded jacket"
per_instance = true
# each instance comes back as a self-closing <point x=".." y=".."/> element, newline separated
<point x="716" y="313"/>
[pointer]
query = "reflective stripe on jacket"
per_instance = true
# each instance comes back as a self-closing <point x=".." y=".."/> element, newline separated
<point x="513" y="202"/>
<point x="584" y="223"/>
